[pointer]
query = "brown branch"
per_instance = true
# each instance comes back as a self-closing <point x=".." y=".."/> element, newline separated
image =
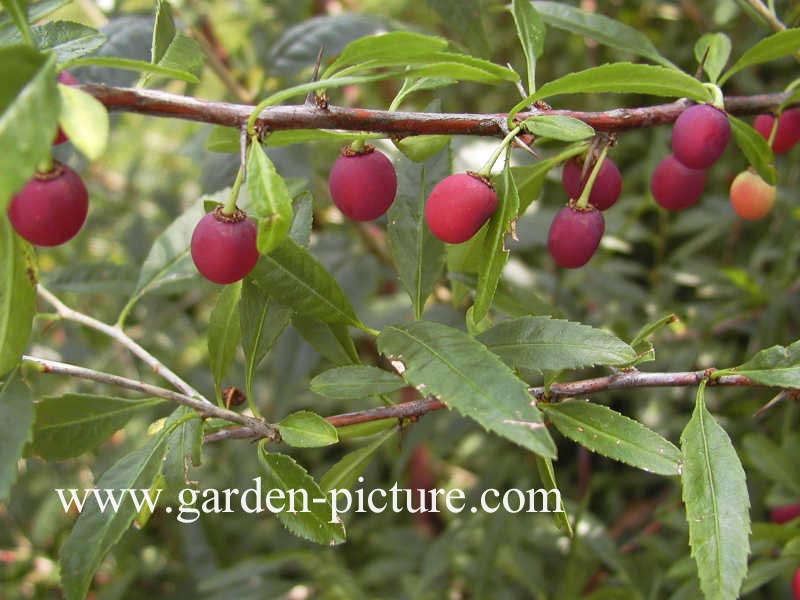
<point x="394" y="123"/>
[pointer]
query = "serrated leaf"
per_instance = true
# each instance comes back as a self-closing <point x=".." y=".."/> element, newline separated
<point x="778" y="45"/>
<point x="72" y="424"/>
<point x="344" y="474"/>
<point x="224" y="333"/>
<point x="773" y="461"/>
<point x="96" y="531"/>
<point x="17" y="296"/>
<point x="547" y="475"/>
<point x="775" y="366"/>
<point x="755" y="148"/>
<point x="542" y="343"/>
<point x="36" y="11"/>
<point x="296" y="279"/>
<point x="463" y="374"/>
<point x="530" y="31"/>
<point x="84" y="120"/>
<point x="614" y="435"/>
<point x="601" y="29"/>
<point x="715" y="495"/>
<point x="716" y="48"/>
<point x="357" y="381"/>
<point x="269" y="198"/>
<point x="16" y="421"/>
<point x="558" y="127"/>
<point x="305" y="429"/>
<point x="16" y="10"/>
<point x="331" y="340"/>
<point x="283" y="473"/>
<point x="408" y="46"/>
<point x="417" y="253"/>
<point x="64" y="39"/>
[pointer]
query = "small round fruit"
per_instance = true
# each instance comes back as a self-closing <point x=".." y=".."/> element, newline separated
<point x="700" y="135"/>
<point x="788" y="133"/>
<point x="784" y="514"/>
<point x="362" y="184"/>
<point x="224" y="246"/>
<point x="575" y="235"/>
<point x="674" y="185"/>
<point x="458" y="206"/>
<point x="66" y="79"/>
<point x="606" y="188"/>
<point x="51" y="208"/>
<point x="751" y="197"/>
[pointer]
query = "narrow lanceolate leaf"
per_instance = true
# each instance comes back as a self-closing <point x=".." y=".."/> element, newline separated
<point x="558" y="127"/>
<point x="775" y="46"/>
<point x="777" y="366"/>
<point x="16" y="421"/>
<point x="69" y="425"/>
<point x="305" y="429"/>
<point x="224" y="332"/>
<point x="643" y="348"/>
<point x="755" y="148"/>
<point x="67" y="40"/>
<point x="601" y="29"/>
<point x="292" y="276"/>
<point x="466" y="376"/>
<point x="547" y="475"/>
<point x="417" y="253"/>
<point x="357" y="381"/>
<point x="713" y="50"/>
<point x="717" y="504"/>
<point x="96" y="531"/>
<point x="269" y="197"/>
<point x="84" y="120"/>
<point x="344" y="474"/>
<point x="331" y="340"/>
<point x="29" y="107"/>
<point x="17" y="296"/>
<point x="611" y="434"/>
<point x="130" y="64"/>
<point x="172" y="49"/>
<point x="407" y="45"/>
<point x="545" y="344"/>
<point x="530" y="31"/>
<point x="283" y="473"/>
<point x="184" y="449"/>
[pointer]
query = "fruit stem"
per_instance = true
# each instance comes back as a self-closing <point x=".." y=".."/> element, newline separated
<point x="774" y="131"/>
<point x="358" y="145"/>
<point x="45" y="165"/>
<point x="230" y="205"/>
<point x="583" y="201"/>
<point x="486" y="170"/>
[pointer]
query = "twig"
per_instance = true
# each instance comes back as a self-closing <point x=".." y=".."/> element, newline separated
<point x="767" y="15"/>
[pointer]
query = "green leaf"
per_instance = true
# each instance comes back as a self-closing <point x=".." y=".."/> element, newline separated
<point x="420" y="148"/>
<point x="463" y="68"/>
<point x="417" y="253"/>
<point x="292" y="276"/>
<point x="601" y="29"/>
<point x="129" y="64"/>
<point x="226" y="139"/>
<point x="72" y="424"/>
<point x="770" y="48"/>
<point x="755" y="148"/>
<point x="171" y="49"/>
<point x="184" y="449"/>
<point x="548" y="477"/>
<point x="269" y="197"/>
<point x="464" y="375"/>
<point x="17" y="296"/>
<point x="406" y="46"/>
<point x="466" y="18"/>
<point x="716" y="47"/>
<point x="344" y="474"/>
<point x="776" y="366"/>
<point x="545" y="344"/>
<point x="644" y="349"/>
<point x="772" y="461"/>
<point x="611" y="434"/>
<point x="29" y="107"/>
<point x="96" y="531"/>
<point x="16" y="421"/>
<point x="261" y="320"/>
<point x="331" y="340"/>
<point x="715" y="495"/>
<point x="284" y="474"/>
<point x="67" y="40"/>
<point x="557" y="127"/>
<point x="357" y="381"/>
<point x="16" y="10"/>
<point x="224" y="333"/>
<point x="530" y="31"/>
<point x="305" y="429"/>
<point x="84" y="120"/>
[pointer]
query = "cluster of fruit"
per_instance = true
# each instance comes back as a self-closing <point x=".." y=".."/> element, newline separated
<point x="781" y="515"/>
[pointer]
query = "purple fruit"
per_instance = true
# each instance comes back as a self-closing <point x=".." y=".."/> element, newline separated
<point x="700" y="135"/>
<point x="458" y="206"/>
<point x="575" y="235"/>
<point x="224" y="246"/>
<point x="674" y="185"/>
<point x="362" y="184"/>
<point x="606" y="188"/>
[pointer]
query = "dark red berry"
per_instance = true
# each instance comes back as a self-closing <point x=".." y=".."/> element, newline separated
<point x="66" y="79"/>
<point x="224" y="246"/>
<point x="700" y="135"/>
<point x="784" y="514"/>
<point x="458" y="206"/>
<point x="606" y="188"/>
<point x="675" y="186"/>
<point x="51" y="208"/>
<point x="575" y="235"/>
<point x="788" y="133"/>
<point x="362" y="184"/>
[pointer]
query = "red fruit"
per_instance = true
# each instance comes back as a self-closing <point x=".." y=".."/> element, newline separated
<point x="784" y="514"/>
<point x="66" y="79"/>
<point x="362" y="184"/>
<point x="458" y="206"/>
<point x="51" y="208"/>
<point x="574" y="235"/>
<point x="700" y="135"/>
<point x="796" y="584"/>
<point x="674" y="185"/>
<point x="224" y="246"/>
<point x="751" y="197"/>
<point x="606" y="188"/>
<point x="788" y="133"/>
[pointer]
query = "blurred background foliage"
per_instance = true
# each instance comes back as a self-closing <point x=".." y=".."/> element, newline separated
<point x="734" y="285"/>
